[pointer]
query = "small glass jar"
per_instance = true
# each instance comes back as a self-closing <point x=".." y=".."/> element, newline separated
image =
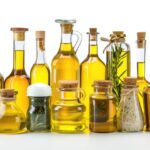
<point x="12" y="119"/>
<point x="102" y="107"/>
<point x="38" y="115"/>
<point x="130" y="116"/>
<point x="68" y="110"/>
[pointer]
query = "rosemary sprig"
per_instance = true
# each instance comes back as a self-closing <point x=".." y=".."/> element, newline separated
<point x="115" y="61"/>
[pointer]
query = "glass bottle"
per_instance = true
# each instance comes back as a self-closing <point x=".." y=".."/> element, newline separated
<point x="40" y="71"/>
<point x="130" y="116"/>
<point x="38" y="118"/>
<point x="18" y="78"/>
<point x="1" y="81"/>
<point x="102" y="107"/>
<point x="68" y="110"/>
<point x="117" y="61"/>
<point x="141" y="80"/>
<point x="92" y="68"/>
<point x="65" y="64"/>
<point x="12" y="119"/>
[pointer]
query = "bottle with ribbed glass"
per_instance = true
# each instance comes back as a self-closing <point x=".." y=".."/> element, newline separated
<point x="40" y="71"/>
<point x="18" y="79"/>
<point x="92" y="68"/>
<point x="65" y="64"/>
<point x="141" y="80"/>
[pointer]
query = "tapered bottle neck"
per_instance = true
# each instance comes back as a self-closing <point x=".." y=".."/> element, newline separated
<point x="40" y="51"/>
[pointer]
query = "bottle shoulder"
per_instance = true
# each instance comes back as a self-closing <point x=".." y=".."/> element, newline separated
<point x="40" y="67"/>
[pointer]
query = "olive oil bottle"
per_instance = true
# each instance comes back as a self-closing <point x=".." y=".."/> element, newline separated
<point x="92" y="68"/>
<point x="18" y="79"/>
<point x="1" y="81"/>
<point x="141" y="80"/>
<point x="65" y="64"/>
<point x="40" y="71"/>
<point x="117" y="61"/>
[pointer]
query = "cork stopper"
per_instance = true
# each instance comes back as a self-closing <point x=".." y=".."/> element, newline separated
<point x="141" y="39"/>
<point x="7" y="94"/>
<point x="40" y="34"/>
<point x="130" y="81"/>
<point x="118" y="34"/>
<point x="68" y="84"/>
<point x="103" y="83"/>
<point x="93" y="34"/>
<point x="93" y="31"/>
<point x="19" y="33"/>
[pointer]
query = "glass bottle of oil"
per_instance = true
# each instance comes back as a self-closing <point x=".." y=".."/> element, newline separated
<point x="141" y="81"/>
<point x="117" y="61"/>
<point x="1" y="81"/>
<point x="68" y="110"/>
<point x="40" y="71"/>
<point x="65" y="64"/>
<point x="12" y="119"/>
<point x="102" y="107"/>
<point x="18" y="78"/>
<point x="92" y="68"/>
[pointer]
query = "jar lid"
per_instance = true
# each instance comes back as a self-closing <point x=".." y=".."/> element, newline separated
<point x="39" y="90"/>
<point x="131" y="81"/>
<point x="118" y="34"/>
<point x="66" y="84"/>
<point x="103" y="83"/>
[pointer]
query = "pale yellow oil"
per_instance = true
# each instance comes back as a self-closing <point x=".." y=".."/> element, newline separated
<point x="13" y="120"/>
<point x="123" y="70"/>
<point x="92" y="68"/>
<point x="40" y="73"/>
<point x="141" y="82"/>
<point x="65" y="66"/>
<point x="19" y="81"/>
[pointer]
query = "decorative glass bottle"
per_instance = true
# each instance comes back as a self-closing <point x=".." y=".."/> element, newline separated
<point x="18" y="78"/>
<point x="130" y="116"/>
<point x="102" y="107"/>
<point x="141" y="80"/>
<point x="65" y="64"/>
<point x="68" y="110"/>
<point x="38" y="118"/>
<point x="12" y="119"/>
<point x="92" y="68"/>
<point x="117" y="61"/>
<point x="40" y="71"/>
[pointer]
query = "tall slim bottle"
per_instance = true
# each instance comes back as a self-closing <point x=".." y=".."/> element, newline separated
<point x="91" y="69"/>
<point x="40" y="71"/>
<point x="18" y="79"/>
<point x="141" y="80"/>
<point x="65" y="64"/>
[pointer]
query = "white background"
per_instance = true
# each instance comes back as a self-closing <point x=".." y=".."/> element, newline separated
<point x="107" y="15"/>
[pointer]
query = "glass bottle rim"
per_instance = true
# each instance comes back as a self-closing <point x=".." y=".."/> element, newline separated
<point x="65" y="21"/>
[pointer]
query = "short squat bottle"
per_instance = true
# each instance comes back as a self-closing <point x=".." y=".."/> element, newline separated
<point x="102" y="107"/>
<point x="12" y="119"/>
<point x="68" y="110"/>
<point x="38" y="115"/>
<point x="130" y="116"/>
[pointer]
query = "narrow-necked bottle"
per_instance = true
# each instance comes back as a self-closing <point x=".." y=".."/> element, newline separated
<point x="18" y="78"/>
<point x="40" y="71"/>
<point x="141" y="80"/>
<point x="92" y="68"/>
<point x="65" y="64"/>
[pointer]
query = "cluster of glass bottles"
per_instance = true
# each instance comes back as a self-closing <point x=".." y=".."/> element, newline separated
<point x="90" y="96"/>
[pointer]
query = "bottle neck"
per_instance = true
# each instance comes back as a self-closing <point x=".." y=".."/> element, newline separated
<point x="68" y="95"/>
<point x="93" y="47"/>
<point x="40" y="51"/>
<point x="18" y="57"/>
<point x="103" y="90"/>
<point x="141" y="61"/>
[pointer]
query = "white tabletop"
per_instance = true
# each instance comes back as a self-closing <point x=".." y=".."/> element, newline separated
<point x="51" y="141"/>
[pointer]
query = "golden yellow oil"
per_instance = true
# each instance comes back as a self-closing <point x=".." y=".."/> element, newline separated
<point x="123" y="70"/>
<point x="141" y="82"/>
<point x="92" y="68"/>
<point x="40" y="73"/>
<point x="65" y="66"/>
<point x="19" y="81"/>
<point x="1" y="81"/>
<point x="67" y="117"/>
<point x="12" y="121"/>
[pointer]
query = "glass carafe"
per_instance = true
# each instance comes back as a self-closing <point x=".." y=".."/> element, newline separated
<point x="12" y="119"/>
<point x="130" y="116"/>
<point x="68" y="110"/>
<point x="65" y="64"/>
